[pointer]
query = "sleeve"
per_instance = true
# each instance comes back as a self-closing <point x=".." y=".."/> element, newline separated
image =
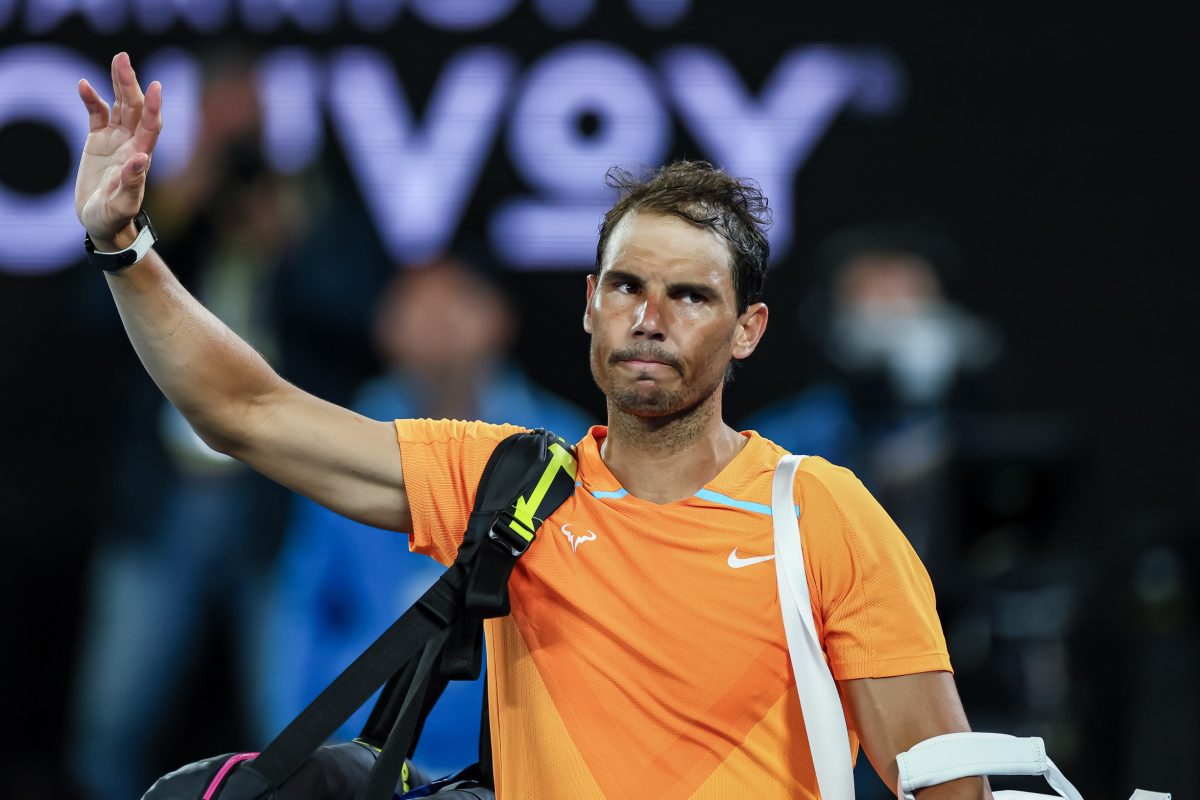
<point x="442" y="462"/>
<point x="875" y="600"/>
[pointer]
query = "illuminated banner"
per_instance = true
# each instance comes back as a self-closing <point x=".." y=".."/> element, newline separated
<point x="564" y="117"/>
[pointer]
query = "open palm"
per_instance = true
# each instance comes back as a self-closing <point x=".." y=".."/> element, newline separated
<point x="116" y="155"/>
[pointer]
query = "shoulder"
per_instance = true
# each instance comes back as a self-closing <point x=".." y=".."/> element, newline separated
<point x="443" y="461"/>
<point x="824" y="492"/>
<point x="815" y="474"/>
<point x="751" y="474"/>
<point x="440" y="431"/>
<point x="835" y="494"/>
<point x="819" y="476"/>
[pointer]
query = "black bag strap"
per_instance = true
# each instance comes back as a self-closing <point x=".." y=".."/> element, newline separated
<point x="541" y="468"/>
<point x="501" y="528"/>
<point x="381" y="783"/>
<point x="487" y="771"/>
<point x="401" y="642"/>
<point x="526" y="478"/>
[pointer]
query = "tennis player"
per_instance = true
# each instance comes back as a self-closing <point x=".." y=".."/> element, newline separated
<point x="645" y="654"/>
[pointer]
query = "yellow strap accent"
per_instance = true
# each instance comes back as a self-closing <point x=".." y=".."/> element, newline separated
<point x="524" y="510"/>
<point x="367" y="745"/>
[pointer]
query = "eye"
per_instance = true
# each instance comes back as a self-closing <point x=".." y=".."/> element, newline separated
<point x="626" y="287"/>
<point x="693" y="298"/>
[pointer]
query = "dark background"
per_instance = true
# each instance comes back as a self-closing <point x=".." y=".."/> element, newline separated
<point x="1048" y="142"/>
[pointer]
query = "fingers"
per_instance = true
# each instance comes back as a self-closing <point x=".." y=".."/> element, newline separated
<point x="117" y="106"/>
<point x="129" y="95"/>
<point x="150" y="124"/>
<point x="95" y="105"/>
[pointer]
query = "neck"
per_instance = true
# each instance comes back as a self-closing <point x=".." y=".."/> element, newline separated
<point x="664" y="459"/>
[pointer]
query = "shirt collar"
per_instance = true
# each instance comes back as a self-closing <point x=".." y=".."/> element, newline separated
<point x="596" y="477"/>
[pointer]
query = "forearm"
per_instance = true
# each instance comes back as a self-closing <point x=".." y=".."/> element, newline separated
<point x="216" y="380"/>
<point x="229" y="394"/>
<point x="893" y="714"/>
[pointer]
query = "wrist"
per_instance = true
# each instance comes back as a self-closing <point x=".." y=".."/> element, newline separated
<point x="122" y="250"/>
<point x="117" y="241"/>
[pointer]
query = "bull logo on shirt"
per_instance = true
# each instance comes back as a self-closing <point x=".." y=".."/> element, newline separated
<point x="576" y="539"/>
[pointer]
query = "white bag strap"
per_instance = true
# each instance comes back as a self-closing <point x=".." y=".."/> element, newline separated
<point x="959" y="755"/>
<point x="824" y="720"/>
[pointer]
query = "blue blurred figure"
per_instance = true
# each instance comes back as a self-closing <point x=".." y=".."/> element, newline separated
<point x="444" y="330"/>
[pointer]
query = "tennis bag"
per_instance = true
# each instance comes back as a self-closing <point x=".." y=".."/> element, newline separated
<point x="438" y="639"/>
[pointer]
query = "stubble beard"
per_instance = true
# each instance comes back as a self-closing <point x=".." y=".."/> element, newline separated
<point x="653" y="402"/>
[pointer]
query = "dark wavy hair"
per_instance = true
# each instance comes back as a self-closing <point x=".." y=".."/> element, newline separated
<point x="705" y="195"/>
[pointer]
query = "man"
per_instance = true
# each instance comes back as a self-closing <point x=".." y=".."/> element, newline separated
<point x="644" y="657"/>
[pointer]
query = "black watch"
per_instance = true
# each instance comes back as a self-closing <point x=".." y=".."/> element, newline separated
<point x="111" y="262"/>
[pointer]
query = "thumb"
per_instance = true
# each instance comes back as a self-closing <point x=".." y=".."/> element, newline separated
<point x="128" y="197"/>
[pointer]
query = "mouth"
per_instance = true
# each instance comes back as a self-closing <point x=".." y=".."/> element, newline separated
<point x="648" y="370"/>
<point x="648" y="363"/>
<point x="647" y="359"/>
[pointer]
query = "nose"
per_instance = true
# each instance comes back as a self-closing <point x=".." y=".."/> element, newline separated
<point x="648" y="320"/>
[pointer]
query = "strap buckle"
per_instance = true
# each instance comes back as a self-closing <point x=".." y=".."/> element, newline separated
<point x="512" y="535"/>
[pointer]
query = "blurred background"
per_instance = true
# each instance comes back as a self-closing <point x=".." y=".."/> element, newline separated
<point x="979" y="302"/>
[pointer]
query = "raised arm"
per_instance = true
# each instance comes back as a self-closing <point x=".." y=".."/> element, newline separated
<point x="230" y="395"/>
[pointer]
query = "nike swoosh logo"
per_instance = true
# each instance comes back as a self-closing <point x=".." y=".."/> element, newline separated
<point x="738" y="563"/>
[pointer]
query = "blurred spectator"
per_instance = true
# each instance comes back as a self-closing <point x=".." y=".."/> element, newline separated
<point x="897" y="350"/>
<point x="201" y="553"/>
<point x="444" y="331"/>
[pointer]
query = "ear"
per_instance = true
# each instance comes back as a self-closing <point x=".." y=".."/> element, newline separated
<point x="587" y="309"/>
<point x="751" y="326"/>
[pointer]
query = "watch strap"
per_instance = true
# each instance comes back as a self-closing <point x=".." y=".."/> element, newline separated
<point x="111" y="262"/>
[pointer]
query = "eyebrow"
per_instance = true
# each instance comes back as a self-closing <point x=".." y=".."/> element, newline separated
<point x="619" y="276"/>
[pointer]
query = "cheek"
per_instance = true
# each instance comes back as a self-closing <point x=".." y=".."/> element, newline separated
<point x="599" y="347"/>
<point x="603" y="322"/>
<point x="711" y="349"/>
<point x="597" y="359"/>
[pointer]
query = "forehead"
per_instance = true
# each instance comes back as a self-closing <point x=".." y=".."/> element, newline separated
<point x="649" y="241"/>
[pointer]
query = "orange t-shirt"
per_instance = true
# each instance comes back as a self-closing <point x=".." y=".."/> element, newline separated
<point x="645" y="655"/>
